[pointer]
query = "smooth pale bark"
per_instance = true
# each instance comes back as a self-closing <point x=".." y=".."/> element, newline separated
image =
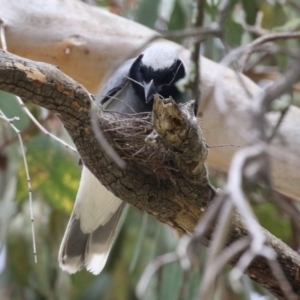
<point x="85" y="42"/>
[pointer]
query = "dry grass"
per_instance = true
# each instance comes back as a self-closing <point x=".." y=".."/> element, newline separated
<point x="129" y="132"/>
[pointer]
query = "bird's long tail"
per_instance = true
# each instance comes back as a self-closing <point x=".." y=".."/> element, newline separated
<point x="92" y="227"/>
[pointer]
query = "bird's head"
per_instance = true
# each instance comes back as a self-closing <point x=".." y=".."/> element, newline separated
<point x="156" y="71"/>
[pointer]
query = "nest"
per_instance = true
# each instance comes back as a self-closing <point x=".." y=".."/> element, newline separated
<point x="128" y="134"/>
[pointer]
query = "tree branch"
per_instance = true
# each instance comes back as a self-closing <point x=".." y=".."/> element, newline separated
<point x="86" y="50"/>
<point x="179" y="200"/>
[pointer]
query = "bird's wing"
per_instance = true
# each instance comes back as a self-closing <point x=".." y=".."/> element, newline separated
<point x="115" y="83"/>
<point x="91" y="228"/>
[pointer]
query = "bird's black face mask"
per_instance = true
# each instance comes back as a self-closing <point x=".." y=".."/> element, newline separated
<point x="147" y="82"/>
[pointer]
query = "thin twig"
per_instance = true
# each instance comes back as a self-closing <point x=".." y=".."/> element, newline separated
<point x="35" y="121"/>
<point x="199" y="33"/>
<point x="207" y="218"/>
<point x="195" y="55"/>
<point x="281" y="85"/>
<point x="42" y="128"/>
<point x="131" y="79"/>
<point x="235" y="193"/>
<point x="222" y="145"/>
<point x="104" y="143"/>
<point x="282" y="280"/>
<point x="223" y="8"/>
<point x="151" y="269"/>
<point x="21" y="103"/>
<point x="219" y="239"/>
<point x="10" y="140"/>
<point x="17" y="131"/>
<point x="248" y="49"/>
<point x="225" y="256"/>
<point x="199" y="231"/>
<point x="256" y="28"/>
<point x="283" y="113"/>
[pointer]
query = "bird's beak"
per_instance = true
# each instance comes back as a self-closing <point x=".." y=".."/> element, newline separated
<point x="150" y="89"/>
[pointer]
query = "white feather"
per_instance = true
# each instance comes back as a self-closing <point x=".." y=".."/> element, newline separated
<point x="97" y="263"/>
<point x="97" y="253"/>
<point x="160" y="56"/>
<point x="94" y="207"/>
<point x="94" y="204"/>
<point x="70" y="265"/>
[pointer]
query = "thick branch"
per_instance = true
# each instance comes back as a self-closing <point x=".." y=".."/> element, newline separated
<point x="87" y="43"/>
<point x="46" y="86"/>
<point x="179" y="202"/>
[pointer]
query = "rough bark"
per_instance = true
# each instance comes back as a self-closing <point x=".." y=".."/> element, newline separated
<point x="179" y="202"/>
<point x="85" y="42"/>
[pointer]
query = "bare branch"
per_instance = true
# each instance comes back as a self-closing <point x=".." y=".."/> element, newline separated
<point x="195" y="52"/>
<point x="217" y="244"/>
<point x="17" y="131"/>
<point x="272" y="37"/>
<point x="151" y="269"/>
<point x="198" y="33"/>
<point x="26" y="110"/>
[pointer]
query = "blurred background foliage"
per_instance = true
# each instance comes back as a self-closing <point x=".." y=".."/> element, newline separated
<point x="55" y="175"/>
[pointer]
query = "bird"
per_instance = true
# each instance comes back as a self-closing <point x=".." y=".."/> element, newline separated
<point x="92" y="226"/>
<point x="132" y="87"/>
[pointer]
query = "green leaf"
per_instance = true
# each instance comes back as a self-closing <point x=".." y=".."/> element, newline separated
<point x="178" y="18"/>
<point x="233" y="32"/>
<point x="171" y="277"/>
<point x="211" y="9"/>
<point x="147" y="12"/>
<point x="270" y="219"/>
<point x="273" y="15"/>
<point x="140" y="240"/>
<point x="291" y="24"/>
<point x="54" y="174"/>
<point x="251" y="9"/>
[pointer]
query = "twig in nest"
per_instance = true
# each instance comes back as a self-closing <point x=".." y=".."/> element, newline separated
<point x="129" y="134"/>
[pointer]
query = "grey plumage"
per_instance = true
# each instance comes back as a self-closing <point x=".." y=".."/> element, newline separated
<point x="92" y="226"/>
<point x="161" y="65"/>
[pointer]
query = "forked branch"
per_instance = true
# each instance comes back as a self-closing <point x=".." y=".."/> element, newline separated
<point x="176" y="191"/>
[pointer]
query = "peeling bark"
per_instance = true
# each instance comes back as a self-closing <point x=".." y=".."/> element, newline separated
<point x="179" y="202"/>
